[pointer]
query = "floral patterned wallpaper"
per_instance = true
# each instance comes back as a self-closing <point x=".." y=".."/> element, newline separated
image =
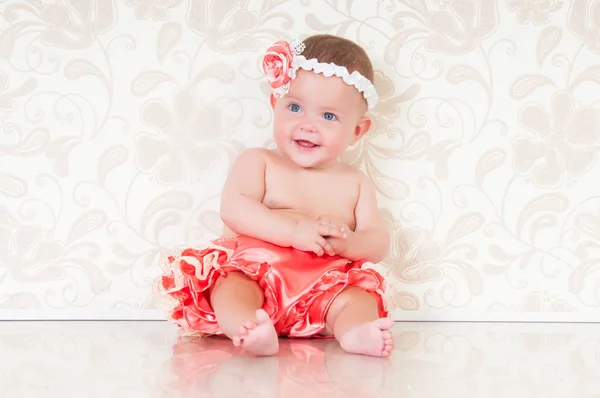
<point x="119" y="120"/>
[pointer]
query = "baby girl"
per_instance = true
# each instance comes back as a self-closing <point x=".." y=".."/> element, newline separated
<point x="299" y="224"/>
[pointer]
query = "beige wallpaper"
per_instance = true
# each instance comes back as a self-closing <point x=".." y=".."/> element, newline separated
<point x="119" y="120"/>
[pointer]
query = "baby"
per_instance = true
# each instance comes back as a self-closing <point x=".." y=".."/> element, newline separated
<point x="298" y="223"/>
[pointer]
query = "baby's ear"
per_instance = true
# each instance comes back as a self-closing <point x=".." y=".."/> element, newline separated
<point x="362" y="128"/>
<point x="273" y="100"/>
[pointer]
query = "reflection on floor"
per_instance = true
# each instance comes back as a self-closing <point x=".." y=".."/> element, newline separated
<point x="149" y="359"/>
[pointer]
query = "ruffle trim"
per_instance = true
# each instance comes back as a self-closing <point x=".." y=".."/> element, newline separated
<point x="181" y="292"/>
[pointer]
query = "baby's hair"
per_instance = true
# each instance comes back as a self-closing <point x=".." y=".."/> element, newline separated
<point x="340" y="51"/>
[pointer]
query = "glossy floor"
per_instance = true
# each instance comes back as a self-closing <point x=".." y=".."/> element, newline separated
<point x="149" y="359"/>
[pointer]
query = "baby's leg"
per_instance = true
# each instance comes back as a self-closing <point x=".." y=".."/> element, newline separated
<point x="354" y="321"/>
<point x="236" y="301"/>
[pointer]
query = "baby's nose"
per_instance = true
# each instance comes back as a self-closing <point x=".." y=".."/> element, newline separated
<point x="308" y="127"/>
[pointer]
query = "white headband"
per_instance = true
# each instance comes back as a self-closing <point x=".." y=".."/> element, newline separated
<point x="282" y="60"/>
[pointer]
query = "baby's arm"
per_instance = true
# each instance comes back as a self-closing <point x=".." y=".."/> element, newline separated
<point x="371" y="238"/>
<point x="242" y="209"/>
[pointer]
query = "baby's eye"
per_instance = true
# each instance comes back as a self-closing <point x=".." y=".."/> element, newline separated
<point x="329" y="116"/>
<point x="294" y="108"/>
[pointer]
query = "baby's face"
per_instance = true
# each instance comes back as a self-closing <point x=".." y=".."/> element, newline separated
<point x="318" y="119"/>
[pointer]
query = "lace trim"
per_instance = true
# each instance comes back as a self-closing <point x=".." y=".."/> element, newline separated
<point x="362" y="84"/>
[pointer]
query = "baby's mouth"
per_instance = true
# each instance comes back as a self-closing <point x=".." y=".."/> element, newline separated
<point x="306" y="144"/>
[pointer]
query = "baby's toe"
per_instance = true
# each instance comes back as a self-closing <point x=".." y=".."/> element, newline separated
<point x="249" y="325"/>
<point x="385" y="323"/>
<point x="387" y="334"/>
<point x="387" y="349"/>
<point x="237" y="340"/>
<point x="243" y="331"/>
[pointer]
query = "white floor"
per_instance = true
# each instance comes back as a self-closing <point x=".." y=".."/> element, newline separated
<point x="148" y="359"/>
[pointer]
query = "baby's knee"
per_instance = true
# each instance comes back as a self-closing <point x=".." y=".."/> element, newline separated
<point x="235" y="283"/>
<point x="350" y="296"/>
<point x="354" y="293"/>
<point x="233" y="278"/>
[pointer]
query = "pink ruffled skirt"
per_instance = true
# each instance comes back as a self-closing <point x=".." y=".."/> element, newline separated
<point x="298" y="286"/>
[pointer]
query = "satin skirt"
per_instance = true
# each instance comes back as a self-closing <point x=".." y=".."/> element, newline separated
<point x="298" y="286"/>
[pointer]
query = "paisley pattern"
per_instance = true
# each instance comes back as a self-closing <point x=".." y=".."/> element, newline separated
<point x="120" y="119"/>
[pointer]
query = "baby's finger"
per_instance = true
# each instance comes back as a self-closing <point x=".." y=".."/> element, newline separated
<point x="343" y="229"/>
<point x="334" y="224"/>
<point x="323" y="221"/>
<point x="329" y="230"/>
<point x="326" y="245"/>
<point x="318" y="249"/>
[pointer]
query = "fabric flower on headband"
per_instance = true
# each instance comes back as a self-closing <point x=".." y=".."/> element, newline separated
<point x="283" y="59"/>
<point x="278" y="65"/>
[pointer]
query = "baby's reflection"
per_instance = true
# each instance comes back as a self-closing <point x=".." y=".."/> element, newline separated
<point x="211" y="366"/>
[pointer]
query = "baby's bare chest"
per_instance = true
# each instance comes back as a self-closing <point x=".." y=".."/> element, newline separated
<point x="312" y="193"/>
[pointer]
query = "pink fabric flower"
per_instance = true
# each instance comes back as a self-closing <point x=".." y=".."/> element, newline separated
<point x="277" y="63"/>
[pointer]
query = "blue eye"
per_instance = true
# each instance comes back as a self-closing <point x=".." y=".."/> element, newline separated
<point x="329" y="116"/>
<point x="294" y="108"/>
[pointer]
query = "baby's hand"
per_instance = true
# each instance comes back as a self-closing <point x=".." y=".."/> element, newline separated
<point x="339" y="240"/>
<point x="310" y="236"/>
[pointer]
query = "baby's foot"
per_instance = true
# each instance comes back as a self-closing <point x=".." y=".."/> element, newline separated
<point x="373" y="338"/>
<point x="258" y="338"/>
